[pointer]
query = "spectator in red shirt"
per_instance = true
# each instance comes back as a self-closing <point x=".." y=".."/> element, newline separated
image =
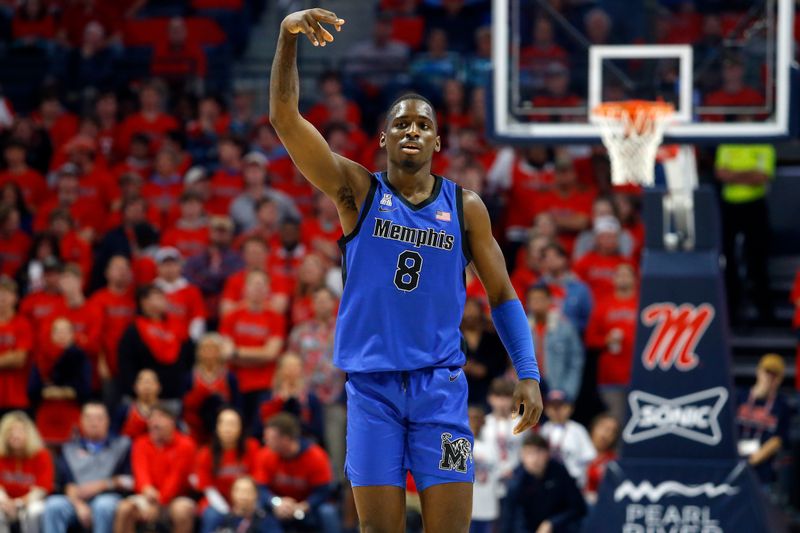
<point x="116" y="306"/>
<point x="604" y="432"/>
<point x="89" y="218"/>
<point x="85" y="318"/>
<point x="611" y="331"/>
<point x="138" y="158"/>
<point x="178" y="57"/>
<point x="556" y="94"/>
<point x="211" y="386"/>
<point x="162" y="462"/>
<point x="71" y="247"/>
<point x="734" y="91"/>
<point x="31" y="183"/>
<point x="230" y="456"/>
<point x="189" y="234"/>
<point x="321" y="233"/>
<point x="597" y="267"/>
<point x="258" y="335"/>
<point x="131" y="418"/>
<point x="42" y="305"/>
<point x="16" y="342"/>
<point x="26" y="473"/>
<point x="310" y="277"/>
<point x="33" y="22"/>
<point x="61" y="125"/>
<point x="150" y="120"/>
<point x="185" y="303"/>
<point x="285" y="260"/>
<point x="14" y="243"/>
<point x="154" y="340"/>
<point x="227" y="182"/>
<point x="254" y="255"/>
<point x="528" y="268"/>
<point x="330" y="86"/>
<point x="296" y="476"/>
<point x="543" y="51"/>
<point x="96" y="184"/>
<point x="164" y="187"/>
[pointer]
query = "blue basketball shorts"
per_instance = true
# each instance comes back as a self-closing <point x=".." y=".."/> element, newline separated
<point x="408" y="421"/>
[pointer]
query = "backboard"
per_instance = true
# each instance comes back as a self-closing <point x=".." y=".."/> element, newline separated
<point x="727" y="66"/>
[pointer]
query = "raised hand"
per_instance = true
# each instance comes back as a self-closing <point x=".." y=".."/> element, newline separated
<point x="309" y="22"/>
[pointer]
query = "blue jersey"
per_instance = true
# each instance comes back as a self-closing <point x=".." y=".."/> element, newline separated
<point x="404" y="287"/>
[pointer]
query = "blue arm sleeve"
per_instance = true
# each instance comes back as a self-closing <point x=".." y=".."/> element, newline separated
<point x="515" y="332"/>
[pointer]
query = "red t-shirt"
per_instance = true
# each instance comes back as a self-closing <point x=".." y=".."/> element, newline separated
<point x="297" y="477"/>
<point x="597" y="271"/>
<point x="41" y="307"/>
<point x="135" y="424"/>
<point x="745" y="97"/>
<point x="14" y="252"/>
<point x="16" y="334"/>
<point x="188" y="241"/>
<point x="161" y="197"/>
<point x="166" y="468"/>
<point x="311" y="230"/>
<point x="597" y="469"/>
<point x="230" y="468"/>
<point x="225" y="186"/>
<point x="319" y="115"/>
<point x="186" y="304"/>
<point x="613" y="368"/>
<point x="116" y="313"/>
<point x="31" y="183"/>
<point x="170" y="62"/>
<point x="575" y="202"/>
<point x="75" y="250"/>
<point x="137" y="123"/>
<point x="250" y="329"/>
<point x="19" y="476"/>
<point x="522" y="279"/>
<point x="527" y="183"/>
<point x="85" y="213"/>
<point x="234" y="286"/>
<point x="44" y="28"/>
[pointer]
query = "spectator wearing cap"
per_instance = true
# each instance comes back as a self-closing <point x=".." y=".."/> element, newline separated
<point x="164" y="187"/>
<point x="154" y="340"/>
<point x="189" y="234"/>
<point x="542" y="496"/>
<point x="15" y="244"/>
<point x="93" y="469"/>
<point x="209" y="269"/>
<point x="197" y="181"/>
<point x="60" y="382"/>
<point x="763" y="418"/>
<point x="569" y="205"/>
<point x="258" y="334"/>
<point x="161" y="462"/>
<point x="255" y="254"/>
<point x="150" y="119"/>
<point x="227" y="182"/>
<point x="611" y="331"/>
<point x="44" y="304"/>
<point x="31" y="183"/>
<point x="296" y="478"/>
<point x="184" y="301"/>
<point x="558" y="346"/>
<point x="597" y="267"/>
<point x="16" y="343"/>
<point x="243" y="210"/>
<point x="569" y="441"/>
<point x="603" y="207"/>
<point x="72" y="248"/>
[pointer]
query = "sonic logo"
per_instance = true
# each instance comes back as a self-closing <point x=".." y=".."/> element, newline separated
<point x="674" y="338"/>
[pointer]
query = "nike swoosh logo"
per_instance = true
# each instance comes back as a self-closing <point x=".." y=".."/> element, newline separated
<point x="455" y="376"/>
<point x="386" y="210"/>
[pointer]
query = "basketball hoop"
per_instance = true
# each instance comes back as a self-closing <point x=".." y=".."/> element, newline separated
<point x="632" y="132"/>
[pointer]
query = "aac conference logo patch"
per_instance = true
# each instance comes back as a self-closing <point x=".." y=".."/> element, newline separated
<point x="693" y="416"/>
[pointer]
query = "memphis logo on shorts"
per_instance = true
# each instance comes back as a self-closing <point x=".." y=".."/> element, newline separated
<point x="677" y="331"/>
<point x="455" y="453"/>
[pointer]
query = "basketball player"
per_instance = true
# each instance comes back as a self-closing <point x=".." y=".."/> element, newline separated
<point x="408" y="236"/>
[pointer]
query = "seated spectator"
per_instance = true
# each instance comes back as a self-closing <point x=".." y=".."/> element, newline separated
<point x="556" y="93"/>
<point x="542" y="496"/>
<point x="603" y="207"/>
<point x="375" y="63"/>
<point x="161" y="461"/>
<point x="16" y="342"/>
<point x="310" y="277"/>
<point x="486" y="356"/>
<point x="296" y="477"/>
<point x="485" y="495"/>
<point x="155" y="341"/>
<point x="150" y="120"/>
<point x="291" y="394"/>
<point x="258" y="336"/>
<point x="604" y="432"/>
<point x="211" y="386"/>
<point x="320" y="233"/>
<point x="458" y="18"/>
<point x="230" y="456"/>
<point x="559" y="349"/>
<point x="85" y="318"/>
<point x="734" y="91"/>
<point x="266" y="224"/>
<point x="59" y="124"/>
<point x="87" y="217"/>
<point x="528" y="267"/>
<point x="543" y="51"/>
<point x="227" y="182"/>
<point x="60" y="382"/>
<point x="138" y="160"/>
<point x="429" y="70"/>
<point x="116" y="306"/>
<point x="184" y="301"/>
<point x="287" y="258"/>
<point x="499" y="429"/>
<point x="163" y="188"/>
<point x="94" y="469"/>
<point x="29" y="180"/>
<point x="266" y="141"/>
<point x="14" y="243"/>
<point x="255" y="177"/>
<point x="26" y="473"/>
<point x="91" y="65"/>
<point x="478" y="65"/>
<point x="209" y="269"/>
<point x="569" y="442"/>
<point x="571" y="295"/>
<point x="763" y="417"/>
<point x="245" y="511"/>
<point x="597" y="267"/>
<point x="45" y="302"/>
<point x="330" y="85"/>
<point x="71" y="247"/>
<point x="189" y="233"/>
<point x="611" y="331"/>
<point x="131" y="419"/>
<point x="177" y="56"/>
<point x="254" y="254"/>
<point x="33" y="23"/>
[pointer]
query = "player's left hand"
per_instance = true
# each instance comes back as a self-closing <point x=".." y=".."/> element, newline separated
<point x="528" y="396"/>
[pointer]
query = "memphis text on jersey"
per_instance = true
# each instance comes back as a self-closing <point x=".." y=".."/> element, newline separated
<point x="386" y="229"/>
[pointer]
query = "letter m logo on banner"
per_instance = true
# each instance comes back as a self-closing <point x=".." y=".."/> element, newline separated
<point x="674" y="338"/>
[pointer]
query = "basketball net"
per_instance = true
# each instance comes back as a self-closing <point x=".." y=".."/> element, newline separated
<point x="632" y="132"/>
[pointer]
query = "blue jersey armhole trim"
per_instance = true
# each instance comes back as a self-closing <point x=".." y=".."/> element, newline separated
<point x="373" y="186"/>
<point x="465" y="249"/>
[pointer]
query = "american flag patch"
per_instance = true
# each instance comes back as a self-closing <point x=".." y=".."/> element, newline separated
<point x="443" y="215"/>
